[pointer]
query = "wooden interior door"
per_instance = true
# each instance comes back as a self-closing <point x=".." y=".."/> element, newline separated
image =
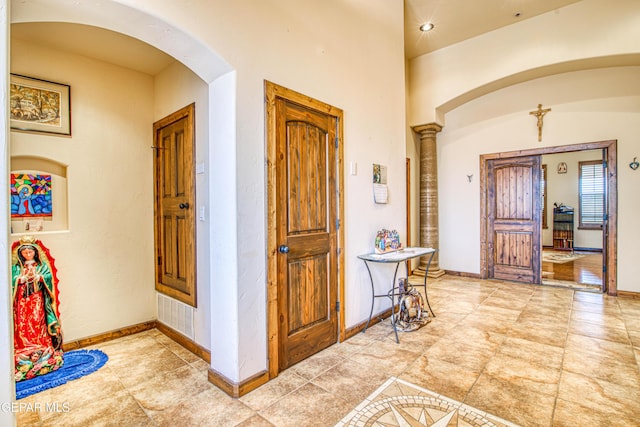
<point x="513" y="219"/>
<point x="306" y="231"/>
<point x="174" y="205"/>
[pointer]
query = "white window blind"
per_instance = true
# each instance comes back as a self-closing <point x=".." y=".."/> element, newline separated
<point x="591" y="194"/>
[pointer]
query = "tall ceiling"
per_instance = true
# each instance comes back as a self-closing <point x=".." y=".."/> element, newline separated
<point x="458" y="20"/>
<point x="454" y="20"/>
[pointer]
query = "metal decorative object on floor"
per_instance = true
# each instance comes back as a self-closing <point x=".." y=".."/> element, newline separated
<point x="412" y="315"/>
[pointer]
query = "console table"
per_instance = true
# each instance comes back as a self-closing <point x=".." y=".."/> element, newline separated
<point x="397" y="257"/>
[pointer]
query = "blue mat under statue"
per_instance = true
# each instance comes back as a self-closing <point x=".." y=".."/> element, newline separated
<point x="77" y="363"/>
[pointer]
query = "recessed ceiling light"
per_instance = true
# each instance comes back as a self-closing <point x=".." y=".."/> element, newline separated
<point x="428" y="26"/>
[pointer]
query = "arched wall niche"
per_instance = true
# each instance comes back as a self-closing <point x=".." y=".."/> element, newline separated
<point x="38" y="163"/>
<point x="59" y="219"/>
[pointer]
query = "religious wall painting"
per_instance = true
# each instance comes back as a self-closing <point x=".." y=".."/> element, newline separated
<point x="31" y="196"/>
<point x="37" y="335"/>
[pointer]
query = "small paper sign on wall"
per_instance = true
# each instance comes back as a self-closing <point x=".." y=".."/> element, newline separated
<point x="380" y="190"/>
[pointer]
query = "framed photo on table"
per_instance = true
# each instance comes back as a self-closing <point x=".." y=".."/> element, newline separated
<point x="39" y="105"/>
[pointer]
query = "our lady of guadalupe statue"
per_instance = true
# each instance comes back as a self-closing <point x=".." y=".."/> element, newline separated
<point x="37" y="337"/>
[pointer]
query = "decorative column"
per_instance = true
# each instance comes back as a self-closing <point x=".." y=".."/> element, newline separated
<point x="429" y="236"/>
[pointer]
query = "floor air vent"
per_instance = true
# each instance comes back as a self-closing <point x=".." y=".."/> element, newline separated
<point x="176" y="315"/>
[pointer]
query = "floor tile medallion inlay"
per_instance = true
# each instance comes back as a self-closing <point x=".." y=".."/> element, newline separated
<point x="400" y="403"/>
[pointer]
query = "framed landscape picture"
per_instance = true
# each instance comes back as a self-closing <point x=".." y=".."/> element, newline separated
<point x="39" y="105"/>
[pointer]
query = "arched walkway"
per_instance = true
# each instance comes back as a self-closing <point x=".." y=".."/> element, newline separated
<point x="191" y="52"/>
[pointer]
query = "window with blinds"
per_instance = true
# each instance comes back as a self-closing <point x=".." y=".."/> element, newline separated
<point x="591" y="194"/>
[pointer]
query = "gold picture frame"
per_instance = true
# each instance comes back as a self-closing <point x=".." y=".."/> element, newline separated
<point x="39" y="105"/>
<point x="562" y="167"/>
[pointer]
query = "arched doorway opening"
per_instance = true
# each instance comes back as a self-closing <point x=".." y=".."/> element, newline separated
<point x="192" y="53"/>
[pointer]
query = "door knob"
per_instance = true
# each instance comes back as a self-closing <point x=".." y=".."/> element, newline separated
<point x="283" y="249"/>
<point x="183" y="205"/>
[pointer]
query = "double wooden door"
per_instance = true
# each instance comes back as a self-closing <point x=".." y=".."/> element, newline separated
<point x="306" y="231"/>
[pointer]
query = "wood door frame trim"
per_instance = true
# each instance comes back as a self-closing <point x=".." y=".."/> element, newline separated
<point x="612" y="201"/>
<point x="272" y="92"/>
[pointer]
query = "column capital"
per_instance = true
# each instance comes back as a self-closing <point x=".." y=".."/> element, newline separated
<point x="429" y="129"/>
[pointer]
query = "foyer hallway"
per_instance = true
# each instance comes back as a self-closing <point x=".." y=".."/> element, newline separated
<point x="532" y="355"/>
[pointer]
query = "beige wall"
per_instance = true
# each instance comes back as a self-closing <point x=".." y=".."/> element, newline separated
<point x="104" y="256"/>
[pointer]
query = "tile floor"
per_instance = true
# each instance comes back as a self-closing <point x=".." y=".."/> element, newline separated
<point x="531" y="355"/>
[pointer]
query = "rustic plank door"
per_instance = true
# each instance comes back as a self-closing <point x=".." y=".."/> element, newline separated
<point x="174" y="205"/>
<point x="513" y="219"/>
<point x="306" y="231"/>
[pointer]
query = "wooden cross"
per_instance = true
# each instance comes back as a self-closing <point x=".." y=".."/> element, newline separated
<point x="539" y="113"/>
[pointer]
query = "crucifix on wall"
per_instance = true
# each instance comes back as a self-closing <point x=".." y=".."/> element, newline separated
<point x="539" y="113"/>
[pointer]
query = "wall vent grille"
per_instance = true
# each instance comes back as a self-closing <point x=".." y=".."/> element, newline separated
<point x="176" y="315"/>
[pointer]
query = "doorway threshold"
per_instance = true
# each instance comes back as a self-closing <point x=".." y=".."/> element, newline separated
<point x="572" y="285"/>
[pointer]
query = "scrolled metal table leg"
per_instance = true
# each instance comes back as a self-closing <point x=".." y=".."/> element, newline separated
<point x="393" y="303"/>
<point x="373" y="297"/>
<point x="426" y="295"/>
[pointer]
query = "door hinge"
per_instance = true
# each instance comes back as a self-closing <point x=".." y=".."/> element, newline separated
<point x="337" y="306"/>
<point x="605" y="217"/>
<point x="337" y="224"/>
<point x="336" y="141"/>
<point x="604" y="268"/>
<point x="604" y="164"/>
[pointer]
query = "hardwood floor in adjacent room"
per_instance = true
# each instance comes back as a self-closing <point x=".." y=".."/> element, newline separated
<point x="583" y="273"/>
